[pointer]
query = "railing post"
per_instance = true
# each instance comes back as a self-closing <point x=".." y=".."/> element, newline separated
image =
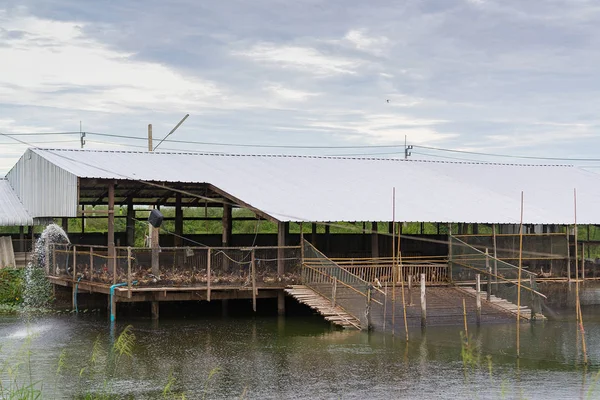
<point x="253" y="263"/>
<point x="129" y="271"/>
<point x="208" y="257"/>
<point x="423" y="302"/>
<point x="334" y="292"/>
<point x="91" y="264"/>
<point x="73" y="280"/>
<point x="450" y="252"/>
<point x="478" y="299"/>
<point x="532" y="286"/>
<point x="368" y="307"/>
<point x="488" y="268"/>
<point x="410" y="290"/>
<point x="114" y="263"/>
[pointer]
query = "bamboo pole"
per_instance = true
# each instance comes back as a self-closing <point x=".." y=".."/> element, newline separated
<point x="402" y="288"/>
<point x="465" y="320"/>
<point x="394" y="270"/>
<point x="423" y="303"/>
<point x="478" y="299"/>
<point x="495" y="257"/>
<point x="489" y="276"/>
<point x="578" y="302"/>
<point x="253" y="282"/>
<point x="519" y="281"/>
<point x="208" y="259"/>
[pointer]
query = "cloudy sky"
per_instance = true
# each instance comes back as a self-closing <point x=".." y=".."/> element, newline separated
<point x="508" y="77"/>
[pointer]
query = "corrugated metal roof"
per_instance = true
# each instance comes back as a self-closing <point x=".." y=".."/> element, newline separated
<point x="12" y="211"/>
<point x="296" y="188"/>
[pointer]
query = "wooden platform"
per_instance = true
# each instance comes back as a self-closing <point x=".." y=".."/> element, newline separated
<point x="503" y="304"/>
<point x="333" y="314"/>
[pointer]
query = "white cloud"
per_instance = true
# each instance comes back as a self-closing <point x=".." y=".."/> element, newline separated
<point x="54" y="64"/>
<point x="384" y="128"/>
<point x="287" y="93"/>
<point x="301" y="58"/>
<point x="377" y="45"/>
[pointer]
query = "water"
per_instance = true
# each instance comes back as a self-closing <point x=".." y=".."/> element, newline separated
<point x="302" y="357"/>
<point x="38" y="290"/>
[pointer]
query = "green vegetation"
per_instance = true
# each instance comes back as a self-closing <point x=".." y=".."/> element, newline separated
<point x="104" y="364"/>
<point x="11" y="290"/>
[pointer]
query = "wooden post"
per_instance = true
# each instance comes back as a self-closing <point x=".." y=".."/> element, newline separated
<point x="115" y="264"/>
<point x="178" y="221"/>
<point x="519" y="281"/>
<point x="208" y="257"/>
<point x="313" y="237"/>
<point x="130" y="224"/>
<point x="91" y="264"/>
<point x="254" y="291"/>
<point x="488" y="268"/>
<point x="478" y="299"/>
<point x="423" y="302"/>
<point x="154" y="309"/>
<point x="333" y="291"/>
<point x="532" y="299"/>
<point x="450" y="252"/>
<point x="227" y="231"/>
<point x="111" y="227"/>
<point x="281" y="231"/>
<point x="74" y="278"/>
<point x="280" y="302"/>
<point x="410" y="278"/>
<point x="465" y="320"/>
<point x="568" y="256"/>
<point x="583" y="261"/>
<point x="21" y="239"/>
<point x="374" y="241"/>
<point x="129" y="271"/>
<point x="495" y="257"/>
<point x="578" y="302"/>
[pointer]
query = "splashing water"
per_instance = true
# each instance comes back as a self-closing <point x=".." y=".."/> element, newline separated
<point x="38" y="290"/>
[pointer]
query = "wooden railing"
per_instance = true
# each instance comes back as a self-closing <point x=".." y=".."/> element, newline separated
<point x="381" y="270"/>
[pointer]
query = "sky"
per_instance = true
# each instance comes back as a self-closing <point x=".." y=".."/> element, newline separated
<point x="499" y="77"/>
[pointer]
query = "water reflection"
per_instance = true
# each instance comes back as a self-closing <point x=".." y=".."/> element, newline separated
<point x="306" y="358"/>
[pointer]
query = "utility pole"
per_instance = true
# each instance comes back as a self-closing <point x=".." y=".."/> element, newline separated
<point x="407" y="149"/>
<point x="81" y="135"/>
<point x="149" y="137"/>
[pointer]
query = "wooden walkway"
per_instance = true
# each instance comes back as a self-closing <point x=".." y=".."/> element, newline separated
<point x="334" y="314"/>
<point x="503" y="304"/>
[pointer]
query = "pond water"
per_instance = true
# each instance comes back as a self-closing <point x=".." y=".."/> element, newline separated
<point x="266" y="357"/>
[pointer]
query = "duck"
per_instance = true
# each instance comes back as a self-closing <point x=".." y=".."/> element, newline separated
<point x="545" y="274"/>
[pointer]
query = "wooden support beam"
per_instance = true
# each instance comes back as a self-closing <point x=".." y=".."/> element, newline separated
<point x="478" y="298"/>
<point x="374" y="240"/>
<point x="178" y="221"/>
<point x="423" y="302"/>
<point x="111" y="226"/>
<point x="281" y="233"/>
<point x="313" y="238"/>
<point x="227" y="225"/>
<point x="130" y="225"/>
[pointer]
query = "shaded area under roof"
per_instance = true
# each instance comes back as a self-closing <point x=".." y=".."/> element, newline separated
<point x="12" y="211"/>
<point x="319" y="189"/>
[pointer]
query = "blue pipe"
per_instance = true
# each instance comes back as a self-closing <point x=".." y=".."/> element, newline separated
<point x="112" y="294"/>
<point x="75" y="295"/>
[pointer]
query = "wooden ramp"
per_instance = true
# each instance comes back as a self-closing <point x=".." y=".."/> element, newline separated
<point x="503" y="304"/>
<point x="323" y="306"/>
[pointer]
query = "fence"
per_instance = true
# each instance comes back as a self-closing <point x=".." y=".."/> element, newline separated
<point x="177" y="266"/>
<point x="381" y="269"/>
<point x="343" y="288"/>
<point x="502" y="278"/>
<point x="546" y="253"/>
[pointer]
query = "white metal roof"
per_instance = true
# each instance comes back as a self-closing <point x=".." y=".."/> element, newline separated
<point x="305" y="188"/>
<point x="12" y="211"/>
